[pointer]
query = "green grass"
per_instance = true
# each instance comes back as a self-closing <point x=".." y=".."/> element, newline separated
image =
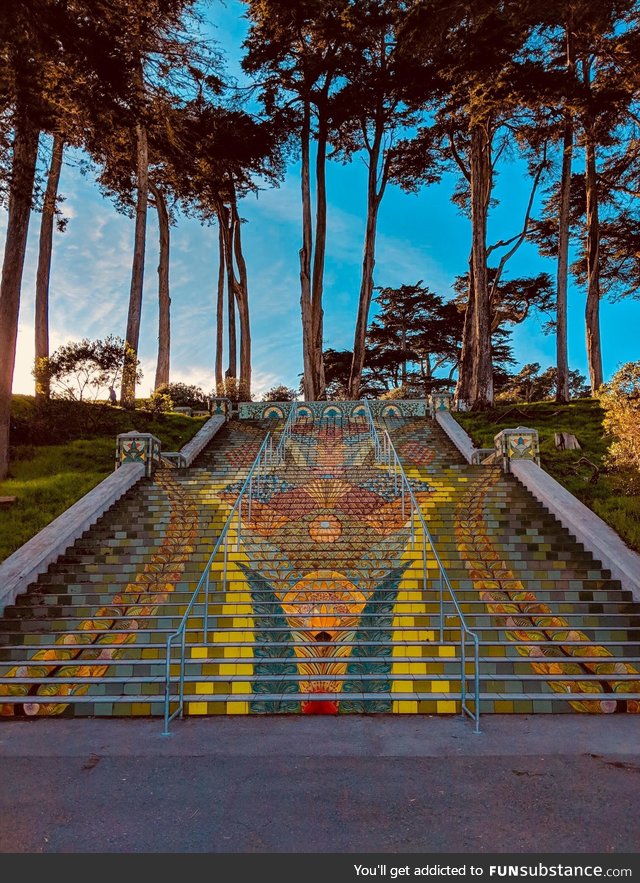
<point x="47" y="478"/>
<point x="607" y="495"/>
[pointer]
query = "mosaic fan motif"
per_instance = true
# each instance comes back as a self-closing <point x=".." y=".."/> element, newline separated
<point x="324" y="536"/>
<point x="545" y="638"/>
<point x="532" y="624"/>
<point x="84" y="653"/>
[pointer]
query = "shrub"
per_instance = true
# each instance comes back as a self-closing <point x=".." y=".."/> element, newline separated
<point x="157" y="403"/>
<point x="399" y="392"/>
<point x="280" y="393"/>
<point x="620" y="400"/>
<point x="79" y="370"/>
<point x="181" y="395"/>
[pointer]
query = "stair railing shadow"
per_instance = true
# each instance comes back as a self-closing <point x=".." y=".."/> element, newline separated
<point x="386" y="455"/>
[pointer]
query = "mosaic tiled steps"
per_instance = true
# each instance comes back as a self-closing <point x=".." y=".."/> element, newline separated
<point x="88" y="631"/>
<point x="326" y="569"/>
<point x="326" y="608"/>
<point x="556" y="632"/>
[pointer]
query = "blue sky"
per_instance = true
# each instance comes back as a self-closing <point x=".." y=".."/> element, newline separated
<point x="420" y="237"/>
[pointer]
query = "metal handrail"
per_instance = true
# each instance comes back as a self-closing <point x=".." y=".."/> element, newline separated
<point x="385" y="452"/>
<point x="263" y="461"/>
<point x="287" y="430"/>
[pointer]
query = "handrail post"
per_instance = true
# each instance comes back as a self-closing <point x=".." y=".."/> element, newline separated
<point x="167" y="687"/>
<point x="226" y="558"/>
<point x="182" y="666"/>
<point x="463" y="665"/>
<point x="476" y="679"/>
<point x="206" y="605"/>
<point x="424" y="562"/>
<point x="441" y="605"/>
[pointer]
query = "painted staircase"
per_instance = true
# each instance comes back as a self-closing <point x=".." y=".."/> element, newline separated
<point x="556" y="632"/>
<point x="325" y="606"/>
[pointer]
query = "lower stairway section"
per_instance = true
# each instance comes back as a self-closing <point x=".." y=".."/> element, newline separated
<point x="325" y="605"/>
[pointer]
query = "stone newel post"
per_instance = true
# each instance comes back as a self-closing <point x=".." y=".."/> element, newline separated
<point x="138" y="447"/>
<point x="439" y="401"/>
<point x="517" y="444"/>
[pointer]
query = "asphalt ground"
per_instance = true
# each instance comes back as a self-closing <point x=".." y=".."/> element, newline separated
<point x="322" y="785"/>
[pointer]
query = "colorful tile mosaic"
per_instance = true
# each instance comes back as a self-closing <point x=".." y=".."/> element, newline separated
<point x="326" y="607"/>
<point x="330" y="504"/>
<point x="547" y="639"/>
<point x="117" y="623"/>
<point x="342" y="410"/>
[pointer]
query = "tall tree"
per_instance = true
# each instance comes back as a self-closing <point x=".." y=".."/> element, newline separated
<point x="44" y="266"/>
<point x="161" y="45"/>
<point x="296" y="50"/>
<point x="218" y="154"/>
<point x="593" y="98"/>
<point x="163" y="366"/>
<point x="478" y="52"/>
<point x="132" y="336"/>
<point x="562" y="353"/>
<point x="368" y="117"/>
<point x="48" y="51"/>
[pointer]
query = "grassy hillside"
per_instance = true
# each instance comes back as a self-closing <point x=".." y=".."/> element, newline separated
<point x="61" y="451"/>
<point x="601" y="489"/>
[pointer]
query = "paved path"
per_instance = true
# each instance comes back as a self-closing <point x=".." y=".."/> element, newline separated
<point x="384" y="784"/>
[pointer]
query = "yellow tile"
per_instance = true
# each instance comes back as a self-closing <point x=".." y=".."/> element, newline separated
<point x="400" y="668"/>
<point x="228" y="668"/>
<point x="196" y="707"/>
<point x="446" y="651"/>
<point x="204" y="687"/>
<point x="141" y="708"/>
<point x="245" y="669"/>
<point x="237" y="708"/>
<point x="199" y="652"/>
<point x="405" y="707"/>
<point x="240" y="687"/>
<point x="446" y="706"/>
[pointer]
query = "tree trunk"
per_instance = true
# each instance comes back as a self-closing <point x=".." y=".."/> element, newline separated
<point x="129" y="371"/>
<point x="562" y="376"/>
<point x="317" y="281"/>
<point x="403" y="343"/>
<point x="232" y="368"/>
<point x="164" y="298"/>
<point x="44" y="268"/>
<point x="24" y="156"/>
<point x="220" y="312"/>
<point x="562" y="358"/>
<point x="242" y="292"/>
<point x="482" y="376"/>
<point x="374" y="198"/>
<point x="226" y="221"/>
<point x="465" y="366"/>
<point x="592" y="313"/>
<point x="305" y="257"/>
